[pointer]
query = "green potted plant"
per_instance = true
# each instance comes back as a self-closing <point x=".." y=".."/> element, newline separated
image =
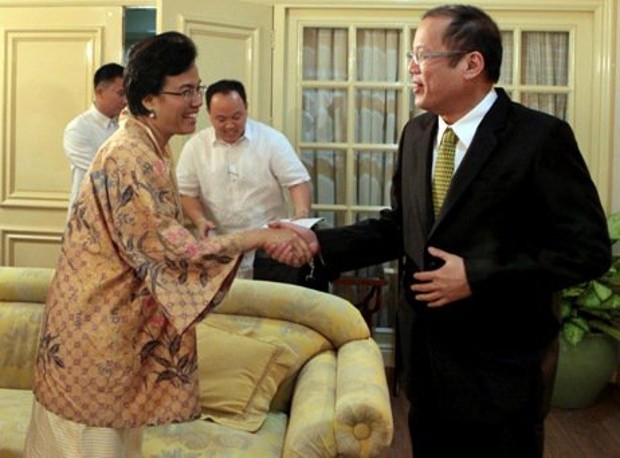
<point x="589" y="334"/>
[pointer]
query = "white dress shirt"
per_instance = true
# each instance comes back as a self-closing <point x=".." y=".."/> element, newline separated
<point x="83" y="136"/>
<point x="240" y="185"/>
<point x="465" y="129"/>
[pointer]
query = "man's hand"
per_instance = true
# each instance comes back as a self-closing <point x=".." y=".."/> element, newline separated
<point x="282" y="252"/>
<point x="291" y="248"/>
<point x="444" y="285"/>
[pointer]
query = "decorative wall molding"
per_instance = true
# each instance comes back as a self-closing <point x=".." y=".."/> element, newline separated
<point x="32" y="176"/>
<point x="29" y="247"/>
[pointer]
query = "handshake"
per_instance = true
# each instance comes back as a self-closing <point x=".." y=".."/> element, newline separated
<point x="290" y="243"/>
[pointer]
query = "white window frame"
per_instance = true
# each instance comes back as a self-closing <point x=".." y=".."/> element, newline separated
<point x="590" y="111"/>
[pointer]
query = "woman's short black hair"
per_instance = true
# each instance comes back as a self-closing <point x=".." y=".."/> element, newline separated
<point x="150" y="61"/>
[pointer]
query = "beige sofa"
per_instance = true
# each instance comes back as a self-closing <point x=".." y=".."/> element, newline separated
<point x="284" y="370"/>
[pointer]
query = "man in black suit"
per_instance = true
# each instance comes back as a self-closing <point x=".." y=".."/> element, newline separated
<point x="521" y="220"/>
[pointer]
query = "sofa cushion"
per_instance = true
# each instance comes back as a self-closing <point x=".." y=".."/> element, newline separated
<point x="240" y="375"/>
<point x="15" y="410"/>
<point x="195" y="439"/>
<point x="199" y="438"/>
<point x="304" y="341"/>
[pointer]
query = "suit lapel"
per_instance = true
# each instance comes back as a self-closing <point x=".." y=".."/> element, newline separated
<point x="423" y="149"/>
<point x="481" y="148"/>
<point x="415" y="165"/>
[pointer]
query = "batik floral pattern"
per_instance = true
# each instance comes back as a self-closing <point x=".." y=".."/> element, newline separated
<point x="118" y="345"/>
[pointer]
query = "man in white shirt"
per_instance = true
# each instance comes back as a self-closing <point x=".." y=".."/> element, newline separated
<point x="86" y="133"/>
<point x="232" y="176"/>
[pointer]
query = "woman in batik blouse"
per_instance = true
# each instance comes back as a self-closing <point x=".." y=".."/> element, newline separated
<point x="118" y="344"/>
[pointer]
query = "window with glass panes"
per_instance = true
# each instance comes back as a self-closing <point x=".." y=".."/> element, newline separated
<point x="355" y="98"/>
<point x="354" y="94"/>
<point x="347" y="91"/>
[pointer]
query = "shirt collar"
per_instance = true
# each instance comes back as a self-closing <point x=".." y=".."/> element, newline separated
<point x="465" y="128"/>
<point x="102" y="119"/>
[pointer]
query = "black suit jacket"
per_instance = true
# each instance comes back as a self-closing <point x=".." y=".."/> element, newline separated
<point x="522" y="211"/>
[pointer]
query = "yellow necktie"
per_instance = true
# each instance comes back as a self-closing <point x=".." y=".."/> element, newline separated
<point x="444" y="166"/>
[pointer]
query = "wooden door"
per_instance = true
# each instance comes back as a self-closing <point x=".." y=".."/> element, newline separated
<point x="48" y="57"/>
<point x="234" y="42"/>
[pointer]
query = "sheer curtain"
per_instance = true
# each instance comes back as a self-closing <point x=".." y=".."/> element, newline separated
<point x="506" y="73"/>
<point x="325" y="116"/>
<point x="376" y="112"/>
<point x="324" y="111"/>
<point x="546" y="64"/>
<point x="361" y="133"/>
<point x="357" y="139"/>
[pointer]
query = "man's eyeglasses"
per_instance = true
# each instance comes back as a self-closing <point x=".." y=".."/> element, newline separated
<point x="420" y="56"/>
<point x="190" y="93"/>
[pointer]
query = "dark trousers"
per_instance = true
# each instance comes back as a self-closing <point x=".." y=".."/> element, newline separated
<point x="464" y="404"/>
<point x="434" y="437"/>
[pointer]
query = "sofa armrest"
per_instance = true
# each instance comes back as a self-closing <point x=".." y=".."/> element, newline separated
<point x="332" y="316"/>
<point x="364" y="425"/>
<point x="341" y="405"/>
<point x="310" y="432"/>
<point x="24" y="284"/>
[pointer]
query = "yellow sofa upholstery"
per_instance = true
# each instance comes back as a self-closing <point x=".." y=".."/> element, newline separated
<point x="285" y="371"/>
